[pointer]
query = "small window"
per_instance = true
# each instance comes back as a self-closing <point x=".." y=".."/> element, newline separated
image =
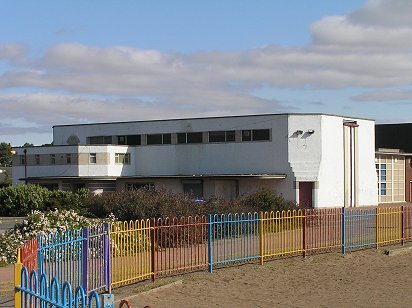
<point x="154" y="139"/>
<point x="92" y="158"/>
<point x="167" y="138"/>
<point x="22" y="160"/>
<point x="222" y="136"/>
<point x="100" y="140"/>
<point x="52" y="159"/>
<point x="122" y="158"/>
<point x="137" y="186"/>
<point x="121" y="139"/>
<point x="218" y="136"/>
<point x="383" y="172"/>
<point x="37" y="158"/>
<point x="247" y="135"/>
<point x="194" y="137"/>
<point x="194" y="188"/>
<point x="134" y="140"/>
<point x="181" y="138"/>
<point x="260" y="135"/>
<point x="382" y="190"/>
<point x="256" y="135"/>
<point x="68" y="158"/>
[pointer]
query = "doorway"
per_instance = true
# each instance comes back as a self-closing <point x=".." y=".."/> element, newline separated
<point x="305" y="194"/>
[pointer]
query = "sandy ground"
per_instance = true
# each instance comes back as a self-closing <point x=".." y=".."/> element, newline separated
<point x="360" y="279"/>
<point x="366" y="278"/>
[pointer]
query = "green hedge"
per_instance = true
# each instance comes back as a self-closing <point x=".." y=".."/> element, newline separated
<point x="21" y="200"/>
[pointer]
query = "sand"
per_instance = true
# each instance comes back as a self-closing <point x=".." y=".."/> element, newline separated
<point x="366" y="278"/>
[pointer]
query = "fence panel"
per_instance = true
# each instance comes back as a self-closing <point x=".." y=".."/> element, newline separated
<point x="98" y="257"/>
<point x="282" y="233"/>
<point x="39" y="291"/>
<point x="389" y="225"/>
<point x="323" y="230"/>
<point x="131" y="258"/>
<point x="180" y="245"/>
<point x="359" y="228"/>
<point x="233" y="238"/>
<point x="61" y="256"/>
<point x="29" y="253"/>
<point x="407" y="223"/>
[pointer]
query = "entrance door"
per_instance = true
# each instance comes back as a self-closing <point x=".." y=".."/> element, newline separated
<point x="305" y="194"/>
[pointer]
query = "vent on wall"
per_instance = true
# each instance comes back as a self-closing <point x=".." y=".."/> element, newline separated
<point x="73" y="140"/>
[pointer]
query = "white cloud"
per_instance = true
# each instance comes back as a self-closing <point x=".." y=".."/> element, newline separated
<point x="383" y="96"/>
<point x="368" y="48"/>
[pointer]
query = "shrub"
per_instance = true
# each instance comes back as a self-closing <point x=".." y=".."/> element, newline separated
<point x="21" y="200"/>
<point x="40" y="223"/>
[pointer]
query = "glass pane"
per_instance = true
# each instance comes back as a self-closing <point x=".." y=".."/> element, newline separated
<point x="260" y="134"/>
<point x="154" y="139"/>
<point x="218" y="136"/>
<point x="194" y="137"/>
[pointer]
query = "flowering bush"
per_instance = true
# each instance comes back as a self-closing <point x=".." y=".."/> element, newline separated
<point x="41" y="223"/>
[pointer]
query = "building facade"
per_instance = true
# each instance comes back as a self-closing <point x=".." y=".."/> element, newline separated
<point x="315" y="160"/>
<point x="394" y="162"/>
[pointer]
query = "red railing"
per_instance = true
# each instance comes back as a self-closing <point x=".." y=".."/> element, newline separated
<point x="29" y="253"/>
<point x="180" y="244"/>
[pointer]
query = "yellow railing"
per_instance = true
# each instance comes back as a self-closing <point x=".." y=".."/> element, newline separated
<point x="389" y="225"/>
<point x="131" y="251"/>
<point x="281" y="233"/>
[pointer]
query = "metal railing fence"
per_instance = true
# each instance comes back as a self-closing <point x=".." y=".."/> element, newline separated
<point x="112" y="255"/>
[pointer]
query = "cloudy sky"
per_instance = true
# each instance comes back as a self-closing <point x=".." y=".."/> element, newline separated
<point x="66" y="62"/>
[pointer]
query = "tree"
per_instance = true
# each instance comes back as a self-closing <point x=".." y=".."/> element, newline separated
<point x="5" y="154"/>
<point x="28" y="145"/>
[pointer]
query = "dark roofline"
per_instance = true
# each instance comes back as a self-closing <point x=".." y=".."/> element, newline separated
<point x="185" y="176"/>
<point x="214" y="117"/>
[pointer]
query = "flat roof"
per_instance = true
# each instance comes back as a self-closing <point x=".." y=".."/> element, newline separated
<point x="214" y="117"/>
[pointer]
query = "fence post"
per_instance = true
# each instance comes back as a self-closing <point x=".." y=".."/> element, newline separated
<point x="304" y="233"/>
<point x="402" y="225"/>
<point x="85" y="263"/>
<point x="153" y="248"/>
<point x="17" y="280"/>
<point x="261" y="234"/>
<point x="40" y="255"/>
<point x="377" y="227"/>
<point x="107" y="256"/>
<point x="209" y="243"/>
<point x="343" y="230"/>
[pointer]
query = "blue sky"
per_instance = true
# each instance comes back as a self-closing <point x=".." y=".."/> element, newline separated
<point x="66" y="62"/>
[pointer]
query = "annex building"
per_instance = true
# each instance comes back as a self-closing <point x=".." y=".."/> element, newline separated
<point x="315" y="160"/>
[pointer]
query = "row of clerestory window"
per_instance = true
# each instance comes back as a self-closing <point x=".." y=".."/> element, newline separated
<point x="184" y="138"/>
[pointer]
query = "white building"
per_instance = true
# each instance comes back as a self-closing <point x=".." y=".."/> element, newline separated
<point x="312" y="159"/>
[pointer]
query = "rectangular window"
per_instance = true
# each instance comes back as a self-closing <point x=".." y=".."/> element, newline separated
<point x="194" y="137"/>
<point x="382" y="190"/>
<point x="122" y="158"/>
<point x="382" y="171"/>
<point x="121" y="139"/>
<point x="37" y="158"/>
<point x="256" y="135"/>
<point x="154" y="139"/>
<point x="260" y="135"/>
<point x="52" y="159"/>
<point x="167" y="138"/>
<point x="134" y="140"/>
<point x="190" y="137"/>
<point x="92" y="158"/>
<point x="159" y="139"/>
<point x="100" y="140"/>
<point x="193" y="188"/>
<point x="68" y="158"/>
<point x="222" y="136"/>
<point x="247" y="135"/>
<point x="137" y="186"/>
<point x="22" y="160"/>
<point x="181" y="138"/>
